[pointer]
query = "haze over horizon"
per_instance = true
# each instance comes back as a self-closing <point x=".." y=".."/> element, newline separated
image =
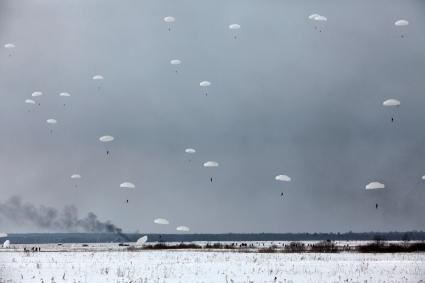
<point x="284" y="99"/>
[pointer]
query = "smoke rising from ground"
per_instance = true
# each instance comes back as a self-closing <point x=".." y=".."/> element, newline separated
<point x="51" y="219"/>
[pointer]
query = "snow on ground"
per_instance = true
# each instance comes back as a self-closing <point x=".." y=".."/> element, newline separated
<point x="200" y="266"/>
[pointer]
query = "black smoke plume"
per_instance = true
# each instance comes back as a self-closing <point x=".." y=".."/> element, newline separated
<point x="53" y="220"/>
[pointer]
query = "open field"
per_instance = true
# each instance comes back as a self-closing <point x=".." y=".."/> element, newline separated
<point x="98" y="264"/>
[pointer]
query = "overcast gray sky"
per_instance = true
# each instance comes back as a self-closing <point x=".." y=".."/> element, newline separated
<point x="284" y="99"/>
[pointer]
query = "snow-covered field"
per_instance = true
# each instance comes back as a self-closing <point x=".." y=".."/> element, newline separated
<point x="200" y="266"/>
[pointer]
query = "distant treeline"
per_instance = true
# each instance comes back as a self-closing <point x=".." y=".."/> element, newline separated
<point x="296" y="247"/>
<point x="40" y="238"/>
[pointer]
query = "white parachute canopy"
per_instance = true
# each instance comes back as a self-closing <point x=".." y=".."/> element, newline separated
<point x="141" y="241"/>
<point x="190" y="150"/>
<point x="312" y="16"/>
<point x="3" y="235"/>
<point x="97" y="77"/>
<point x="161" y="221"/>
<point x="127" y="185"/>
<point x="391" y="102"/>
<point x="6" y="244"/>
<point x="75" y="176"/>
<point x="374" y="186"/>
<point x="401" y="23"/>
<point x="320" y="18"/>
<point x="29" y="101"/>
<point x="36" y="94"/>
<point x="211" y="164"/>
<point x="64" y="94"/>
<point x="205" y="83"/>
<point x="283" y="178"/>
<point x="234" y="26"/>
<point x="9" y="46"/>
<point x="169" y="19"/>
<point x="51" y="121"/>
<point x="106" y="138"/>
<point x="183" y="229"/>
<point x="423" y="177"/>
<point x="317" y="17"/>
<point x="175" y="62"/>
